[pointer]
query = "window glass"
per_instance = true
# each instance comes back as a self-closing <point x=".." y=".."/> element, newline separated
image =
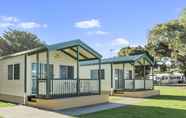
<point x="10" y="72"/>
<point x="41" y="71"/>
<point x="94" y="74"/>
<point x="66" y="72"/>
<point x="16" y="71"/>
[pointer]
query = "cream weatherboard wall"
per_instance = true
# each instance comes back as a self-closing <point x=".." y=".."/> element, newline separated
<point x="85" y="72"/>
<point x="16" y="87"/>
<point x="56" y="58"/>
<point x="106" y="83"/>
<point x="11" y="87"/>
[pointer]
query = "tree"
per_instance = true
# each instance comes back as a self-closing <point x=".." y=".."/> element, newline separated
<point x="13" y="41"/>
<point x="131" y="51"/>
<point x="168" y="40"/>
<point x="182" y="17"/>
<point x="168" y="37"/>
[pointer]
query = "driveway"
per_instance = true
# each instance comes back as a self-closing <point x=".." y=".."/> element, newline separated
<point x="21" y="111"/>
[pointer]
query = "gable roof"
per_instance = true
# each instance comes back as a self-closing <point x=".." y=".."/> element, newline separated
<point x="73" y="43"/>
<point x="57" y="46"/>
<point x="121" y="59"/>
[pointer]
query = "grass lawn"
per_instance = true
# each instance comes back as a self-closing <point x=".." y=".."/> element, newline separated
<point x="5" y="104"/>
<point x="170" y="104"/>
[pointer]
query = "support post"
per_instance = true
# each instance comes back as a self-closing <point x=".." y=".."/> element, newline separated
<point x="144" y="73"/>
<point x="78" y="82"/>
<point x="99" y="76"/>
<point x="123" y="75"/>
<point x="37" y="74"/>
<point x="48" y="75"/>
<point x="111" y="71"/>
<point x="25" y="78"/>
<point x="133" y="66"/>
<point x="152" y="76"/>
<point x="118" y="78"/>
<point x="111" y="66"/>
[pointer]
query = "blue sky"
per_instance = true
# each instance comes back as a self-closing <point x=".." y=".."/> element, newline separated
<point x="105" y="25"/>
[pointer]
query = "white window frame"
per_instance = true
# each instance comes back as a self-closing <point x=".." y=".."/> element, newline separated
<point x="13" y="71"/>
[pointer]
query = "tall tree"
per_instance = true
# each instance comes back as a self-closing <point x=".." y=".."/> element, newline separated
<point x="130" y="51"/>
<point x="182" y="17"/>
<point x="167" y="39"/>
<point x="15" y="41"/>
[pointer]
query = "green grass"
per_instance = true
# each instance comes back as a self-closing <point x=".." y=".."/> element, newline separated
<point x="170" y="104"/>
<point x="5" y="104"/>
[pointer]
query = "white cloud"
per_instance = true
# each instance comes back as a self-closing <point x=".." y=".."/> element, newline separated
<point x="5" y="25"/>
<point x="30" y="25"/>
<point x="9" y="19"/>
<point x="93" y="23"/>
<point x="98" y="32"/>
<point x="120" y="42"/>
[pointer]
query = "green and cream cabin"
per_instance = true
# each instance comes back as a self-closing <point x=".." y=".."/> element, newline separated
<point x="122" y="73"/>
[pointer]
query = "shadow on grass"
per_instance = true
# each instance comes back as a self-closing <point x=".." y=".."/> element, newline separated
<point x="169" y="97"/>
<point x="134" y="111"/>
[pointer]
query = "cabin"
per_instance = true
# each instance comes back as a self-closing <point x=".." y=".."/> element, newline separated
<point x="122" y="74"/>
<point x="49" y="77"/>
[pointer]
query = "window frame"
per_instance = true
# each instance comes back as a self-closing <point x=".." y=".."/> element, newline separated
<point x="17" y="74"/>
<point x="97" y="70"/>
<point x="13" y="71"/>
<point x="67" y="74"/>
<point x="10" y="75"/>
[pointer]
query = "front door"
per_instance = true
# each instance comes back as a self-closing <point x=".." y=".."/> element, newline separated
<point x="130" y="74"/>
<point x="118" y="75"/>
<point x="41" y="74"/>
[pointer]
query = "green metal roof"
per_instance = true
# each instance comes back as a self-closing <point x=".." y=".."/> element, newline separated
<point x="122" y="59"/>
<point x="57" y="46"/>
<point x="73" y="43"/>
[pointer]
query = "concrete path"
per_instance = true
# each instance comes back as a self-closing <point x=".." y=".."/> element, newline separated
<point x="21" y="111"/>
<point x="125" y="100"/>
<point x="90" y="109"/>
<point x="115" y="102"/>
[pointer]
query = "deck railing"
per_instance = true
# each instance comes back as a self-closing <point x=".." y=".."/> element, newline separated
<point x="135" y="84"/>
<point x="67" y="88"/>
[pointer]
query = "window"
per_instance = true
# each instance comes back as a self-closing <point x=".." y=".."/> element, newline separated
<point x="42" y="68"/>
<point x="14" y="72"/>
<point x="66" y="72"/>
<point x="94" y="74"/>
<point x="118" y="74"/>
<point x="10" y="72"/>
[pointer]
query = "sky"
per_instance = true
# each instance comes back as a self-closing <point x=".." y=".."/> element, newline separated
<point x="105" y="25"/>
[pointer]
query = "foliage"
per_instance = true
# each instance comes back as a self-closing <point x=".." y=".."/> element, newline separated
<point x="182" y="17"/>
<point x="169" y="40"/>
<point x="15" y="41"/>
<point x="130" y="51"/>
